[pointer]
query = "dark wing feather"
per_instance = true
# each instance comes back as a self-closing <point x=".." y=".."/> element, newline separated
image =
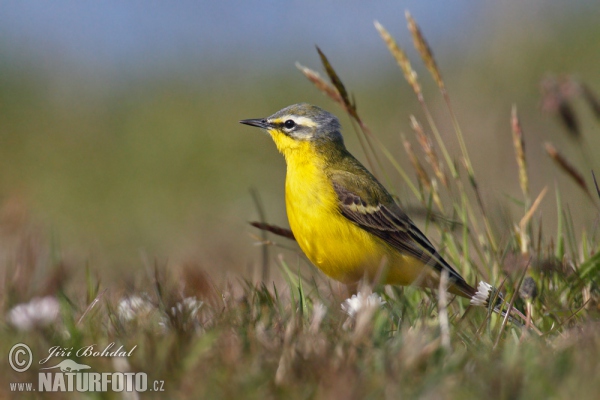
<point x="387" y="221"/>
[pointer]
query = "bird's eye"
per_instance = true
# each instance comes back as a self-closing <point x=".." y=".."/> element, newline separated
<point x="289" y="124"/>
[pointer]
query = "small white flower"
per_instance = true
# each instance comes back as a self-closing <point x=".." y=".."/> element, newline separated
<point x="189" y="306"/>
<point x="38" y="312"/>
<point x="134" y="306"/>
<point x="482" y="297"/>
<point x="359" y="301"/>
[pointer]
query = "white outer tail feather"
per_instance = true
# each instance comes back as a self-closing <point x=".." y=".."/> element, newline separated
<point x="485" y="294"/>
<point x="482" y="296"/>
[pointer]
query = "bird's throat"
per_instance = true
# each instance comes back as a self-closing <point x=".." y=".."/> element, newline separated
<point x="285" y="144"/>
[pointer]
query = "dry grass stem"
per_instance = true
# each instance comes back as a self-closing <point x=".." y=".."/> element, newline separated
<point x="338" y="84"/>
<point x="523" y="224"/>
<point x="596" y="184"/>
<point x="427" y="55"/>
<point x="421" y="173"/>
<point x="443" y="310"/>
<point x="274" y="229"/>
<point x="568" y="168"/>
<point x="519" y="144"/>
<point x="429" y="150"/>
<point x="525" y="220"/>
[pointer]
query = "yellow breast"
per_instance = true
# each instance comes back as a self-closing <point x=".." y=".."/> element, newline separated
<point x="335" y="245"/>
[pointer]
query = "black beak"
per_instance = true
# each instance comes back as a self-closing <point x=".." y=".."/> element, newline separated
<point x="258" y="122"/>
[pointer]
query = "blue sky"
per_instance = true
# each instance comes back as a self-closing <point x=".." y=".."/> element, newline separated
<point x="120" y="37"/>
<point x="118" y="34"/>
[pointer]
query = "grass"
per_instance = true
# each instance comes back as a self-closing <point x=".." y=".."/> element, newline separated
<point x="245" y="340"/>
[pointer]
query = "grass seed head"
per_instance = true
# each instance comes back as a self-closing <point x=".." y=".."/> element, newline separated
<point x="528" y="290"/>
<point x="409" y="74"/>
<point x="322" y="85"/>
<point x="519" y="145"/>
<point x="567" y="167"/>
<point x="425" y="51"/>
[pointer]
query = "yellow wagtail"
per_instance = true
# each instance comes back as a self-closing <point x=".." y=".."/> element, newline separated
<point x="344" y="220"/>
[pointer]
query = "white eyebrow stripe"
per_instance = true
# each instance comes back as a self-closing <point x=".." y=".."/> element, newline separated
<point x="304" y="121"/>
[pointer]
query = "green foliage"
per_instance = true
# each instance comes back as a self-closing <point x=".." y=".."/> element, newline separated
<point x="248" y="341"/>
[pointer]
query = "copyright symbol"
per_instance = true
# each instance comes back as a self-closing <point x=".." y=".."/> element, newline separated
<point x="20" y="357"/>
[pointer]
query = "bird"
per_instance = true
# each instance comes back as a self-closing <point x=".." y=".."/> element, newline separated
<point x="344" y="220"/>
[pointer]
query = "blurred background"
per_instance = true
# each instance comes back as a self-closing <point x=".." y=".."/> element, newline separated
<point x="119" y="133"/>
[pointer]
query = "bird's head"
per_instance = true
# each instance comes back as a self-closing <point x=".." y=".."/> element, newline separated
<point x="299" y="125"/>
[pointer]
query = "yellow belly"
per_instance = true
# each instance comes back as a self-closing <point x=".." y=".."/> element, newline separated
<point x="338" y="247"/>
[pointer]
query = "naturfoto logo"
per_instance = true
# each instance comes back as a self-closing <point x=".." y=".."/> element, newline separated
<point x="67" y="375"/>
